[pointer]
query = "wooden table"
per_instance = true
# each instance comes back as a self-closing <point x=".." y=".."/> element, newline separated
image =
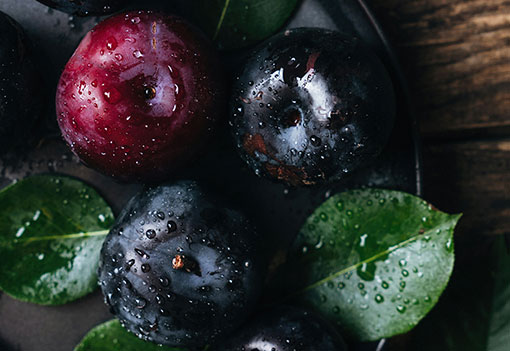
<point x="456" y="55"/>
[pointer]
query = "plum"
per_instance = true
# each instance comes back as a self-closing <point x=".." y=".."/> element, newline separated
<point x="20" y="91"/>
<point x="284" y="328"/>
<point x="140" y="96"/>
<point x="180" y="267"/>
<point x="311" y="106"/>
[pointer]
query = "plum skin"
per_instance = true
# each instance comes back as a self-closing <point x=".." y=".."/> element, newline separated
<point x="20" y="86"/>
<point x="85" y="7"/>
<point x="140" y="96"/>
<point x="311" y="106"/>
<point x="284" y="328"/>
<point x="179" y="267"/>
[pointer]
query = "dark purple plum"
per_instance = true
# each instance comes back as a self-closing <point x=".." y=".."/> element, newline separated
<point x="284" y="329"/>
<point x="20" y="91"/>
<point x="141" y="96"/>
<point x="180" y="268"/>
<point x="311" y="106"/>
<point x="86" y="7"/>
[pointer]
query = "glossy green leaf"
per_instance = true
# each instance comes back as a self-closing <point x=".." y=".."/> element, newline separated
<point x="372" y="261"/>
<point x="474" y="313"/>
<point x="234" y="24"/>
<point x="51" y="231"/>
<point x="111" y="336"/>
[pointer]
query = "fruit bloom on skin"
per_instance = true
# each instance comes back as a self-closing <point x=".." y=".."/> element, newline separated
<point x="20" y="95"/>
<point x="85" y="7"/>
<point x="311" y="106"/>
<point x="284" y="329"/>
<point x="179" y="267"/>
<point x="140" y="96"/>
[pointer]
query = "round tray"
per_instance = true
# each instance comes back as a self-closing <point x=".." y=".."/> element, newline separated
<point x="277" y="210"/>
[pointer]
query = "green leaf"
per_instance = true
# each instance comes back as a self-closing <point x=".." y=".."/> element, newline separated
<point x="474" y="313"/>
<point x="111" y="336"/>
<point x="238" y="23"/>
<point x="372" y="261"/>
<point x="51" y="231"/>
<point x="499" y="331"/>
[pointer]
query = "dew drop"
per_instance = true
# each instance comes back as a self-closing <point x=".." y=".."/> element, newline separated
<point x="129" y="264"/>
<point x="164" y="281"/>
<point x="111" y="43"/>
<point x="448" y="245"/>
<point x="315" y="140"/>
<point x="150" y="233"/>
<point x="140" y="302"/>
<point x="171" y="226"/>
<point x="137" y="54"/>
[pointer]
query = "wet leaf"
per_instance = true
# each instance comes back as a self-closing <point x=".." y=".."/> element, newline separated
<point x="111" y="336"/>
<point x="372" y="261"/>
<point x="51" y="231"/>
<point x="238" y="23"/>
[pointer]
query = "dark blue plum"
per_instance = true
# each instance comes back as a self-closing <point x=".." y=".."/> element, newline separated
<point x="311" y="106"/>
<point x="180" y="268"/>
<point x="20" y="92"/>
<point x="284" y="329"/>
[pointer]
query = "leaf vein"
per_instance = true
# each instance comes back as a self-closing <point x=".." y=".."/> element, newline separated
<point x="222" y="18"/>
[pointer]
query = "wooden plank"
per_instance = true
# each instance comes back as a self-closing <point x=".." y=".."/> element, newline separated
<point x="456" y="55"/>
<point x="473" y="178"/>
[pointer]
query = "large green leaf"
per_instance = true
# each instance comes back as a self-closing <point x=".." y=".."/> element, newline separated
<point x="111" y="336"/>
<point x="372" y="261"/>
<point x="239" y="23"/>
<point x="474" y="313"/>
<point x="51" y="232"/>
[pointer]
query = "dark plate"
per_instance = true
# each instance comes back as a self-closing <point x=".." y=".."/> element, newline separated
<point x="277" y="210"/>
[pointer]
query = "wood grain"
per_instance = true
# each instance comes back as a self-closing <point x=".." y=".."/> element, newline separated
<point x="456" y="54"/>
<point x="471" y="177"/>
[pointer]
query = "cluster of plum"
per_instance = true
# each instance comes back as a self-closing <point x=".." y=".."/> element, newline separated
<point x="142" y="95"/>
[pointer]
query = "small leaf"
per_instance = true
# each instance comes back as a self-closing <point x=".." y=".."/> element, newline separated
<point x="238" y="23"/>
<point x="51" y="231"/>
<point x="373" y="261"/>
<point x="111" y="336"/>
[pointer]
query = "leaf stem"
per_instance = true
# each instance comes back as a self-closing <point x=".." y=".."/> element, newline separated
<point x="222" y="18"/>
<point x="67" y="236"/>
